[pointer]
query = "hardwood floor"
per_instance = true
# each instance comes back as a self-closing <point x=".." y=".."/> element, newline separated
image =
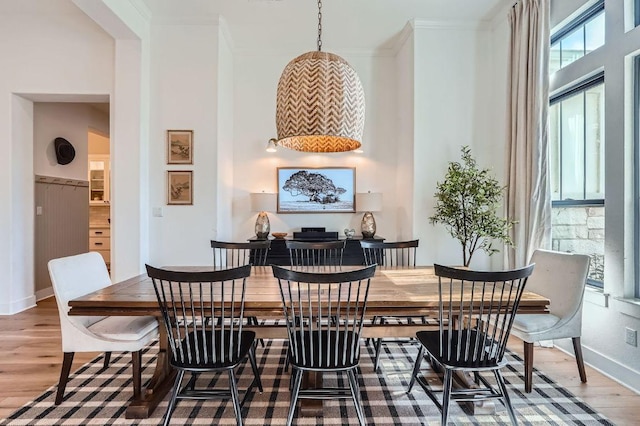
<point x="31" y="358"/>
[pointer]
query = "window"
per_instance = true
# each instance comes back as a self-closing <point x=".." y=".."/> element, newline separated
<point x="583" y="35"/>
<point x="576" y="172"/>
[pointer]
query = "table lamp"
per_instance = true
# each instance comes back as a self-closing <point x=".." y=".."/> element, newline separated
<point x="368" y="202"/>
<point x="262" y="202"/>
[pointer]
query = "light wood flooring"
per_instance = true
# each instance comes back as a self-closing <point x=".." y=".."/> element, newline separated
<point x="31" y="357"/>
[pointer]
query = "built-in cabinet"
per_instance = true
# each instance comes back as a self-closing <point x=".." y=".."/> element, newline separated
<point x="100" y="241"/>
<point x="99" y="173"/>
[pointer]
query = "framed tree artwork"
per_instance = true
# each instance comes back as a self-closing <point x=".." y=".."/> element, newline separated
<point x="180" y="187"/>
<point x="316" y="190"/>
<point x="179" y="146"/>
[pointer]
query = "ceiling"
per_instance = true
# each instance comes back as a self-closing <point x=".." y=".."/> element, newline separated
<point x="347" y="24"/>
<point x="287" y="25"/>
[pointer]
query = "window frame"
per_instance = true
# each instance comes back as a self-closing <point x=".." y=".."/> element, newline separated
<point x="582" y="86"/>
<point x="580" y="21"/>
<point x="579" y="87"/>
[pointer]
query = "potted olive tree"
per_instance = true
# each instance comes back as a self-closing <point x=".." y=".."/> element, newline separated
<point x="467" y="204"/>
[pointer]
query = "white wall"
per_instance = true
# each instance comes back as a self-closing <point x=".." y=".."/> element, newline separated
<point x="256" y="77"/>
<point x="452" y="93"/>
<point x="72" y="122"/>
<point x="184" y="80"/>
<point x="53" y="54"/>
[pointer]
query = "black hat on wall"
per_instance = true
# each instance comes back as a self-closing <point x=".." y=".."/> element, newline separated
<point x="65" y="152"/>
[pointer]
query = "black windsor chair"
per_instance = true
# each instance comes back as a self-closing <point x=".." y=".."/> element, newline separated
<point x="187" y="300"/>
<point x="476" y="312"/>
<point x="324" y="313"/>
<point x="320" y="255"/>
<point x="232" y="255"/>
<point x="390" y="255"/>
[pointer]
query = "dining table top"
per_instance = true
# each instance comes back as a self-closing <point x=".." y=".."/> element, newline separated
<point x="404" y="290"/>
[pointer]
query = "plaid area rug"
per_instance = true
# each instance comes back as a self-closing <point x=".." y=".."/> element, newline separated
<point x="96" y="397"/>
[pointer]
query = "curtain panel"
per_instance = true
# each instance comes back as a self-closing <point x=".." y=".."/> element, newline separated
<point x="528" y="197"/>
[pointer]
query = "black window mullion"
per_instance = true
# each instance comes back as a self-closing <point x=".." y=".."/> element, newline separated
<point x="582" y="19"/>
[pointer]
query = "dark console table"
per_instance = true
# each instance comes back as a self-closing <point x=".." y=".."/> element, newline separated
<point x="352" y="254"/>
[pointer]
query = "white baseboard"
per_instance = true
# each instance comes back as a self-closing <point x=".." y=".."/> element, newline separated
<point x="611" y="368"/>
<point x="17" y="305"/>
<point x="45" y="293"/>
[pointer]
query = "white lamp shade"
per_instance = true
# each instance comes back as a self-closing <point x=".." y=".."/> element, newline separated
<point x="369" y="201"/>
<point x="263" y="202"/>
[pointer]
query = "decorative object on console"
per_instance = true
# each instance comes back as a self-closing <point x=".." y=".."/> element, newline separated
<point x="320" y="102"/>
<point x="279" y="235"/>
<point x="316" y="190"/>
<point x="179" y="146"/>
<point x="349" y="233"/>
<point x="368" y="202"/>
<point x="180" y="187"/>
<point x="262" y="202"/>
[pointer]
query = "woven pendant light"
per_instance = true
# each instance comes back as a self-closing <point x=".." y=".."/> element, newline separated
<point x="320" y="103"/>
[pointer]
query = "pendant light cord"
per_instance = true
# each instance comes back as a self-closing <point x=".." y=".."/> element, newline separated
<point x="319" y="25"/>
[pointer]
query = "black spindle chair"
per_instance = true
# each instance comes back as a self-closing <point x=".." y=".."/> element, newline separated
<point x="390" y="255"/>
<point x="324" y="313"/>
<point x="320" y="255"/>
<point x="187" y="300"/>
<point x="232" y="255"/>
<point x="476" y="312"/>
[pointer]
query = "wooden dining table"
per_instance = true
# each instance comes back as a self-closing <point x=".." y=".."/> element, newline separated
<point x="411" y="291"/>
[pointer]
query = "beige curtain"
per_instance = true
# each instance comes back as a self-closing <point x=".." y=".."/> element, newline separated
<point x="527" y="199"/>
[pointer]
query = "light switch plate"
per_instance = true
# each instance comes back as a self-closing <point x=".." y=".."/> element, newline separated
<point x="157" y="212"/>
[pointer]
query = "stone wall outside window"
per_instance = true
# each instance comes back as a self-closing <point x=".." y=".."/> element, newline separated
<point x="580" y="229"/>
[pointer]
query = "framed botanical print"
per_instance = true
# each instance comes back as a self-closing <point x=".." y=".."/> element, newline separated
<point x="179" y="146"/>
<point x="180" y="187"/>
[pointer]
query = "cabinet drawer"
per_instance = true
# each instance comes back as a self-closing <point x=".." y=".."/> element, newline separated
<point x="99" y="243"/>
<point x="106" y="255"/>
<point x="99" y="232"/>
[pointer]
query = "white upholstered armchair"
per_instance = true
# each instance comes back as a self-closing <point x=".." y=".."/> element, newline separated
<point x="561" y="277"/>
<point x="75" y="276"/>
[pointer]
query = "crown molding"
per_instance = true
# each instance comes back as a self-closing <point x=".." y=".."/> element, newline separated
<point x="141" y="7"/>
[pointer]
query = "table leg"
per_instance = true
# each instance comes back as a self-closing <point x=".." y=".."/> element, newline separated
<point x="311" y="407"/>
<point x="160" y="384"/>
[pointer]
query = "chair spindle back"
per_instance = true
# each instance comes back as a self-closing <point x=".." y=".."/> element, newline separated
<point x="390" y="255"/>
<point x="188" y="300"/>
<point x="321" y="255"/>
<point x="232" y="255"/>
<point x="476" y="312"/>
<point x="324" y="313"/>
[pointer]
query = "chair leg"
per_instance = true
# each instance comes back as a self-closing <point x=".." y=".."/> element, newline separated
<point x="447" y="382"/>
<point x="67" y="360"/>
<point x="505" y="397"/>
<point x="235" y="397"/>
<point x="376" y="360"/>
<point x="107" y="358"/>
<point x="416" y="368"/>
<point x="297" y="378"/>
<point x="577" y="349"/>
<point x="254" y="367"/>
<point x="355" y="395"/>
<point x="173" y="398"/>
<point x="136" y="365"/>
<point x="373" y="321"/>
<point x="528" y="366"/>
